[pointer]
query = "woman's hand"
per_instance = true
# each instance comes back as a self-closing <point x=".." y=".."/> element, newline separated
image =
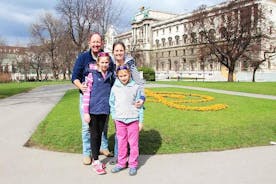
<point x="141" y="125"/>
<point x="87" y="117"/>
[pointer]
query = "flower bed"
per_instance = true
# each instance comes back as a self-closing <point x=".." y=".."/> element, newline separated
<point x="177" y="99"/>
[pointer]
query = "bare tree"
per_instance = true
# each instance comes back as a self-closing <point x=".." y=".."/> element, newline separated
<point x="37" y="60"/>
<point x="2" y="53"/>
<point x="237" y="29"/>
<point x="47" y="32"/>
<point x="67" y="53"/>
<point x="79" y="16"/>
<point x="109" y="14"/>
<point x="23" y="64"/>
<point x="257" y="58"/>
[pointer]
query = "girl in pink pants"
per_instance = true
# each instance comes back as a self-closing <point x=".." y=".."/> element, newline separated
<point x="128" y="119"/>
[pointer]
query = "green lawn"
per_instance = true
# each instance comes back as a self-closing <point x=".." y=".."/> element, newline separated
<point x="246" y="122"/>
<point x="13" y="88"/>
<point x="268" y="88"/>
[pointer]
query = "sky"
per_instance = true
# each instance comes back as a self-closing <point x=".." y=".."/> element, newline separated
<point x="16" y="16"/>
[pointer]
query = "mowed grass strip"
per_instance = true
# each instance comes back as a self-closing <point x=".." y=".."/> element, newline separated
<point x="268" y="88"/>
<point x="246" y="122"/>
<point x="13" y="88"/>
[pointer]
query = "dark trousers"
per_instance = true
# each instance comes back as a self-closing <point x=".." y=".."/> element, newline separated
<point x="96" y="127"/>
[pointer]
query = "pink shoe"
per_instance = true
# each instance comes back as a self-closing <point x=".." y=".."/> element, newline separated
<point x="98" y="167"/>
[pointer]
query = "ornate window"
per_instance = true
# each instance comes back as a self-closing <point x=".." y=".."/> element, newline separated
<point x="212" y="35"/>
<point x="170" y="41"/>
<point x="193" y="38"/>
<point x="223" y="32"/>
<point x="177" y="40"/>
<point x="185" y="38"/>
<point x="157" y="43"/>
<point x="163" y="42"/>
<point x="201" y="36"/>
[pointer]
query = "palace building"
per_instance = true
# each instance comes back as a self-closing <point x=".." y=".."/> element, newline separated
<point x="171" y="43"/>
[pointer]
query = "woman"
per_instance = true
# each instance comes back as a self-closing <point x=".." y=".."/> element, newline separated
<point x="119" y="59"/>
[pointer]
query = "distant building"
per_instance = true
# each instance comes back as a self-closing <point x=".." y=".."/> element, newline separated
<point x="18" y="60"/>
<point x="170" y="43"/>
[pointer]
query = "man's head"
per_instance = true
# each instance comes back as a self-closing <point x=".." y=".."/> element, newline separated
<point x="95" y="43"/>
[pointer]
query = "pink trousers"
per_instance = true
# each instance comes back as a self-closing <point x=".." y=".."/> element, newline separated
<point x="128" y="134"/>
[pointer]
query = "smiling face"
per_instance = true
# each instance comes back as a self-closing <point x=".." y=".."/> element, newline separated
<point x="95" y="43"/>
<point x="103" y="63"/>
<point x="124" y="76"/>
<point x="119" y="53"/>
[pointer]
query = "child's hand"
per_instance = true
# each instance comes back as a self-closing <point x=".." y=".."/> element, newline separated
<point x="86" y="117"/>
<point x="139" y="103"/>
<point x="140" y="126"/>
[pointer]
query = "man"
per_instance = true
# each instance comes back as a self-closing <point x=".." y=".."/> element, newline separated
<point x="78" y="78"/>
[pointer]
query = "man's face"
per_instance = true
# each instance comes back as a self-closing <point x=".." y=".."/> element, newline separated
<point x="95" y="43"/>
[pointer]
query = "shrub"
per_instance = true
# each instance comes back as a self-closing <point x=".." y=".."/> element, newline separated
<point x="148" y="73"/>
<point x="5" y="77"/>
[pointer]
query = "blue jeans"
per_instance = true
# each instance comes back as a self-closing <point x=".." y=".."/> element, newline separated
<point x="85" y="134"/>
<point x="115" y="146"/>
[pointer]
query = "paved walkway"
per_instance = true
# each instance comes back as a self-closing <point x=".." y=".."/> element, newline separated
<point x="21" y="114"/>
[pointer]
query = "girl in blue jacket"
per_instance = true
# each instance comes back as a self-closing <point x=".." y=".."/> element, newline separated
<point x="96" y="105"/>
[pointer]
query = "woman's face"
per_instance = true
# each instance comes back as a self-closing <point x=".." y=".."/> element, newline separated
<point x="119" y="53"/>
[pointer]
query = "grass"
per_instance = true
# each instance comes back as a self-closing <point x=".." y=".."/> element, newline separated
<point x="13" y="88"/>
<point x="246" y="122"/>
<point x="268" y="88"/>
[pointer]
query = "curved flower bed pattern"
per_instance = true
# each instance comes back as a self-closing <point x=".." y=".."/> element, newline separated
<point x="176" y="100"/>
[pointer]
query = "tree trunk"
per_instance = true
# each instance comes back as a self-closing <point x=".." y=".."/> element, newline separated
<point x="253" y="76"/>
<point x="231" y="75"/>
<point x="37" y="74"/>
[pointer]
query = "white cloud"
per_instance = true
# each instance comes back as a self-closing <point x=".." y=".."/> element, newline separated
<point x="17" y="14"/>
<point x="20" y="14"/>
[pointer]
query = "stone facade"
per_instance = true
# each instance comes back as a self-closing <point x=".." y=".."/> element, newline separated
<point x="170" y="43"/>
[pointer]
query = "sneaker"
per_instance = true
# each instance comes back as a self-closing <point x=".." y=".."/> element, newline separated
<point x="106" y="153"/>
<point x="98" y="167"/>
<point x="113" y="161"/>
<point x="86" y="160"/>
<point x="132" y="171"/>
<point x="116" y="169"/>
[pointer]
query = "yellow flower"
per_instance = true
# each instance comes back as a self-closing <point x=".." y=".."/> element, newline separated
<point x="165" y="98"/>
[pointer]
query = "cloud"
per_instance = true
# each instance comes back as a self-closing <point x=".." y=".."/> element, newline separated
<point x="20" y="14"/>
<point x="17" y="16"/>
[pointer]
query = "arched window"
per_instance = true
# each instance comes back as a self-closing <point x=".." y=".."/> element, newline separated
<point x="176" y="68"/>
<point x="201" y="36"/>
<point x="170" y="64"/>
<point x="170" y="41"/>
<point x="177" y="40"/>
<point x="223" y="33"/>
<point x="185" y="38"/>
<point x="193" y="37"/>
<point x="157" y="42"/>
<point x="163" y="42"/>
<point x="212" y="35"/>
